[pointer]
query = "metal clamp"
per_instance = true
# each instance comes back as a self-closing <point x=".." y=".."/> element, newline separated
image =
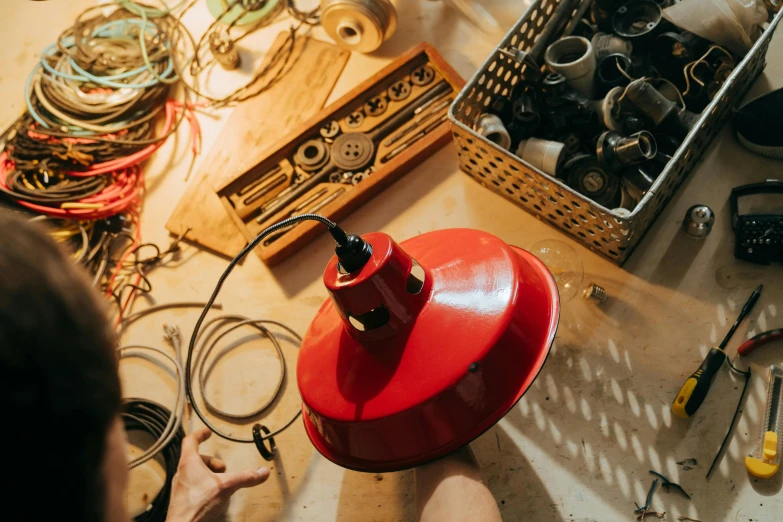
<point x="267" y="453"/>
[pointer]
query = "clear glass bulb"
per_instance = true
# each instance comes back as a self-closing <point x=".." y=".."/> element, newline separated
<point x="565" y="265"/>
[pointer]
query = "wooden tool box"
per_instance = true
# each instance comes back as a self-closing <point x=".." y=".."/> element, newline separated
<point x="347" y="153"/>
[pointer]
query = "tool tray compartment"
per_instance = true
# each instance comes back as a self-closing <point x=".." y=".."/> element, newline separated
<point x="605" y="231"/>
<point x="347" y="153"/>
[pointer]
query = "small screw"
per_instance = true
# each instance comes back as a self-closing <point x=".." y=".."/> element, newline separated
<point x="473" y="368"/>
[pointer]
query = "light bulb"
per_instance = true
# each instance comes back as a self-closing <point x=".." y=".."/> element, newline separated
<point x="564" y="263"/>
<point x="569" y="273"/>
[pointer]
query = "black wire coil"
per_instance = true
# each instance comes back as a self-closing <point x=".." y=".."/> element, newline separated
<point x="150" y="417"/>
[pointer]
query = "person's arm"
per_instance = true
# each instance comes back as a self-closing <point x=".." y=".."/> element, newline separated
<point x="201" y="488"/>
<point x="452" y="489"/>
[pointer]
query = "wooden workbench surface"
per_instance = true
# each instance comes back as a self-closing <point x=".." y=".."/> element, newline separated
<point x="580" y="443"/>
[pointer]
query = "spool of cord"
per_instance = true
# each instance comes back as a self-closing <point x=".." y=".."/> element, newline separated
<point x="359" y="25"/>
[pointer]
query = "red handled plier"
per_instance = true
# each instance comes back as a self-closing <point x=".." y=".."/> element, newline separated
<point x="759" y="340"/>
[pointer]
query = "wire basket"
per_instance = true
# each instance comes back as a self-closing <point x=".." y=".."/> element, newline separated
<point x="600" y="229"/>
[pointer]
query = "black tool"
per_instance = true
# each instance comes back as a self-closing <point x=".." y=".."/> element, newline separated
<point x="695" y="389"/>
<point x="758" y="237"/>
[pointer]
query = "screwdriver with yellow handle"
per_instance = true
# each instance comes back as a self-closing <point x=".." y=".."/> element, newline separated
<point x="695" y="389"/>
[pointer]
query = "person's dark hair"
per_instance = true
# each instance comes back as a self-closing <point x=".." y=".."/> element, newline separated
<point x="59" y="386"/>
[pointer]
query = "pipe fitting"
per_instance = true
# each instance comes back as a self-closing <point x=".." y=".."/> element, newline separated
<point x="613" y="71"/>
<point x="617" y="151"/>
<point x="606" y="44"/>
<point x="491" y="127"/>
<point x="573" y="57"/>
<point x="546" y="156"/>
<point x="637" y="20"/>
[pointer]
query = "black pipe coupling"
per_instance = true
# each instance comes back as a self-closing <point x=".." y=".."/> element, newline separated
<point x="617" y="152"/>
<point x="268" y="453"/>
<point x="588" y="176"/>
<point x="662" y="112"/>
<point x="639" y="21"/>
<point x="614" y="70"/>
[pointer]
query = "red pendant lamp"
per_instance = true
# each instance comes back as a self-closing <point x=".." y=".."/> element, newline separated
<point x="423" y="346"/>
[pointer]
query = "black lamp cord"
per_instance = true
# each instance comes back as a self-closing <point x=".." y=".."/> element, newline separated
<point x="353" y="253"/>
<point x="152" y="418"/>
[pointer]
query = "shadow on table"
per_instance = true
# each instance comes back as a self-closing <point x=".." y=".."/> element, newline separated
<point x="600" y="421"/>
<point x="685" y="258"/>
<point x="377" y="497"/>
<point x="511" y="477"/>
<point x="391" y="497"/>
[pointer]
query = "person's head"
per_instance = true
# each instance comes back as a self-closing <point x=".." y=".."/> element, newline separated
<point x="59" y="386"/>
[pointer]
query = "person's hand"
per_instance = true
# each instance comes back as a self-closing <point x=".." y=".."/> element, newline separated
<point x="201" y="488"/>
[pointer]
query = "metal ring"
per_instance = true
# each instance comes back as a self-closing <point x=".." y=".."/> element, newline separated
<point x="375" y="106"/>
<point x="423" y="75"/>
<point x="354" y="120"/>
<point x="399" y="90"/>
<point x="258" y="439"/>
<point x="330" y="130"/>
<point x="352" y="151"/>
<point x="312" y="155"/>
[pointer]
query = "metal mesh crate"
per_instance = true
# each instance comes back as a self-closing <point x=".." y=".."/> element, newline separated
<point x="598" y="228"/>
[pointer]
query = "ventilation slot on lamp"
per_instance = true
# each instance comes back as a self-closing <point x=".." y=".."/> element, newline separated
<point x="415" y="281"/>
<point x="373" y="319"/>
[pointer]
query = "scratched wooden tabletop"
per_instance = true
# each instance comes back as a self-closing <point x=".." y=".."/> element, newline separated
<point x="581" y="442"/>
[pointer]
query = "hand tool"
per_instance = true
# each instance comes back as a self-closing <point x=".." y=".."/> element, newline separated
<point x="260" y="180"/>
<point x="695" y="389"/>
<point x="424" y="116"/>
<point x="423" y="106"/>
<point x="298" y="211"/>
<point x="417" y="137"/>
<point x="764" y="461"/>
<point x="312" y="199"/>
<point x="373" y="136"/>
<point x="760" y="340"/>
<point x="265" y="190"/>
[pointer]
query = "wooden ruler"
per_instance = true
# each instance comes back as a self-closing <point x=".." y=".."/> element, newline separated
<point x="312" y="72"/>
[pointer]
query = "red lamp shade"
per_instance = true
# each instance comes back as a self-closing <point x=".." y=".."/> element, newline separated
<point x="424" y="348"/>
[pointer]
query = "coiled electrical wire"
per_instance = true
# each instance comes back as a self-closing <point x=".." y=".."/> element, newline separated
<point x="174" y="422"/>
<point x="213" y="332"/>
<point x="150" y="417"/>
<point x="197" y="329"/>
<point x="68" y="230"/>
